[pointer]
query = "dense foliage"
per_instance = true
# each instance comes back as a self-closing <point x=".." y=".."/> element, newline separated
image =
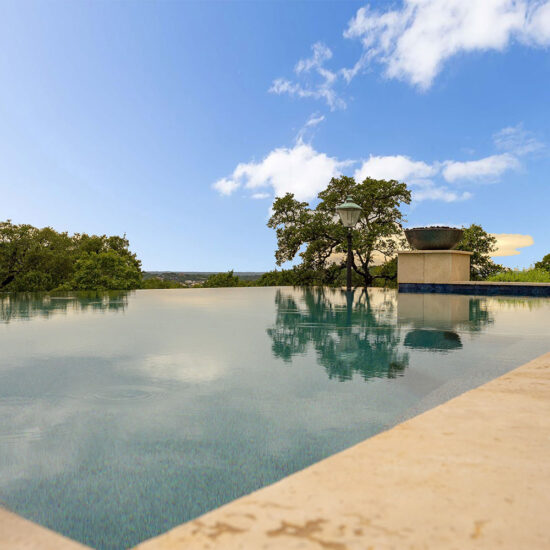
<point x="224" y="280"/>
<point x="33" y="259"/>
<point x="544" y="263"/>
<point x="475" y="239"/>
<point x="316" y="234"/>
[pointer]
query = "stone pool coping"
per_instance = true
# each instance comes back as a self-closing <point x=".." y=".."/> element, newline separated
<point x="17" y="533"/>
<point x="470" y="473"/>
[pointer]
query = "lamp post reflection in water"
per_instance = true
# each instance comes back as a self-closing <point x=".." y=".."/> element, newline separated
<point x="349" y="306"/>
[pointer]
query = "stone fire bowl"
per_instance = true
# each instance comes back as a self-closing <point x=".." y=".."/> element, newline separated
<point x="433" y="238"/>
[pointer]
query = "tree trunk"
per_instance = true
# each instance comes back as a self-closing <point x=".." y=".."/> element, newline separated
<point x="7" y="281"/>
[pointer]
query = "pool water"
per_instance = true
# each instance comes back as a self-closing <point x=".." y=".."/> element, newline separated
<point x="125" y="414"/>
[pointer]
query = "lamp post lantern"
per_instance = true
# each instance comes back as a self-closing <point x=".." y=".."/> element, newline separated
<point x="349" y="214"/>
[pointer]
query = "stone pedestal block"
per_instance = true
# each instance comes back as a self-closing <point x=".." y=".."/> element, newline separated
<point x="433" y="266"/>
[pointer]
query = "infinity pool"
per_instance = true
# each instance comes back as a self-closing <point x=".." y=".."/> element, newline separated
<point x="124" y="414"/>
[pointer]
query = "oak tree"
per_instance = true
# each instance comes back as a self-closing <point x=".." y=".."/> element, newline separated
<point x="316" y="234"/>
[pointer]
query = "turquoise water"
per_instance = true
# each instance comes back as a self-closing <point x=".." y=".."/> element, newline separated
<point x="122" y="415"/>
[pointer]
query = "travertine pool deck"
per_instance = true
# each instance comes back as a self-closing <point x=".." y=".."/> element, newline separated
<point x="17" y="533"/>
<point x="471" y="473"/>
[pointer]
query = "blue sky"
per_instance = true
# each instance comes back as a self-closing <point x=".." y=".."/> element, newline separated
<point x="178" y="122"/>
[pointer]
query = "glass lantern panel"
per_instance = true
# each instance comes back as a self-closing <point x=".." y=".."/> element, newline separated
<point x="349" y="216"/>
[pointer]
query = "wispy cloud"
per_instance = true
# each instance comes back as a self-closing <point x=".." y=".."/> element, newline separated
<point x="314" y="120"/>
<point x="517" y="140"/>
<point x="321" y="53"/>
<point x="317" y="81"/>
<point x="414" y="42"/>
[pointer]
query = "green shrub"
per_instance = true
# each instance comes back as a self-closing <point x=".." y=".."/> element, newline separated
<point x="522" y="276"/>
<point x="157" y="282"/>
<point x="224" y="280"/>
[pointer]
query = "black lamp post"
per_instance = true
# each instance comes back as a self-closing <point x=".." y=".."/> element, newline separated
<point x="349" y="214"/>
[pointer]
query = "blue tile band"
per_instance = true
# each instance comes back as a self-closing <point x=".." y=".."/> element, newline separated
<point x="496" y="289"/>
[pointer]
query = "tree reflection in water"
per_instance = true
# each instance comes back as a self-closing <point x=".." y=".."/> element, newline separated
<point x="351" y="332"/>
<point x="26" y="305"/>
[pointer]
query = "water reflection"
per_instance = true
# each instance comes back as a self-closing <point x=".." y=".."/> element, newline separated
<point x="443" y="311"/>
<point x="351" y="332"/>
<point x="433" y="340"/>
<point x="19" y="306"/>
<point x="183" y="403"/>
<point x="437" y="319"/>
<point x="356" y="332"/>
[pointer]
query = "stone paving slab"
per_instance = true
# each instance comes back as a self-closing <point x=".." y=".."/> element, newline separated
<point x="471" y="473"/>
<point x="17" y="533"/>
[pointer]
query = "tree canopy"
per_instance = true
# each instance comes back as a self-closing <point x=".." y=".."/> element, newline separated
<point x="33" y="259"/>
<point x="316" y="234"/>
<point x="223" y="280"/>
<point x="475" y="239"/>
<point x="544" y="263"/>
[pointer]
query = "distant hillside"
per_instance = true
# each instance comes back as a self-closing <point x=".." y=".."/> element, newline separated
<point x="197" y="276"/>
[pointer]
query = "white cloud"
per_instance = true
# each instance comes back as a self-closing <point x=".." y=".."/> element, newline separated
<point x="396" y="167"/>
<point x="508" y="243"/>
<point x="433" y="193"/>
<point x="300" y="170"/>
<point x="537" y="27"/>
<point x="415" y="41"/>
<point x="304" y="171"/>
<point x="487" y="168"/>
<point x="226" y="186"/>
<point x="416" y="173"/>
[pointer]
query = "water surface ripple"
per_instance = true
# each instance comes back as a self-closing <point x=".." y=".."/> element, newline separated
<point x="124" y="414"/>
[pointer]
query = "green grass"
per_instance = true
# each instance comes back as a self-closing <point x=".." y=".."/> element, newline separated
<point x="523" y="276"/>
